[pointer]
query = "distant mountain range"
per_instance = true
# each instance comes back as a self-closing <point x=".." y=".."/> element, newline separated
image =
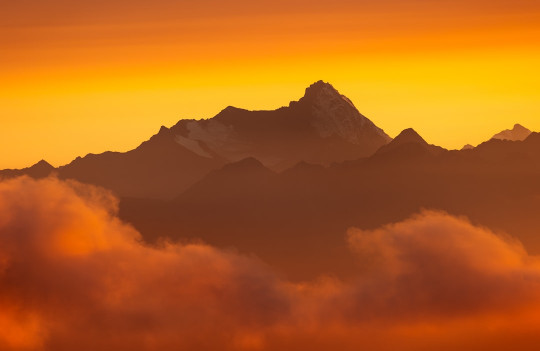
<point x="518" y="133"/>
<point x="39" y="170"/>
<point x="286" y="184"/>
<point x="305" y="210"/>
<point x="322" y="127"/>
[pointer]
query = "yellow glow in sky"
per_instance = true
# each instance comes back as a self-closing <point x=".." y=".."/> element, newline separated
<point x="98" y="80"/>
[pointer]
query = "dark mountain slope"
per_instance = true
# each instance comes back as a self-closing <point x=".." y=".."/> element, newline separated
<point x="41" y="169"/>
<point x="158" y="168"/>
<point x="300" y="216"/>
<point x="322" y="127"/>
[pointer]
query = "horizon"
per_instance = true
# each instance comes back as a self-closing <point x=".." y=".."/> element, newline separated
<point x="151" y="133"/>
<point x="86" y="78"/>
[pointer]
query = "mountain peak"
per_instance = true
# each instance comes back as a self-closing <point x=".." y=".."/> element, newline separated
<point x="321" y="90"/>
<point x="319" y="86"/>
<point x="409" y="140"/>
<point x="333" y="114"/>
<point x="229" y="112"/>
<point x="230" y="109"/>
<point x="517" y="133"/>
<point x="408" y="135"/>
<point x="42" y="165"/>
<point x="321" y="127"/>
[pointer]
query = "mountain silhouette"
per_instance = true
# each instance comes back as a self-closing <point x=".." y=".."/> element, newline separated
<point x="322" y="127"/>
<point x="295" y="220"/>
<point x="409" y="143"/>
<point x="41" y="169"/>
<point x="286" y="184"/>
<point x="233" y="181"/>
<point x="518" y="132"/>
<point x="157" y="168"/>
<point x="407" y="136"/>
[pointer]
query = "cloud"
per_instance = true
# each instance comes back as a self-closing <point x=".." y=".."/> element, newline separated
<point x="73" y="276"/>
<point x="438" y="264"/>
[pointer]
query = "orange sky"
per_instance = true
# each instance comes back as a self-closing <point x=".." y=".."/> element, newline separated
<point x="89" y="76"/>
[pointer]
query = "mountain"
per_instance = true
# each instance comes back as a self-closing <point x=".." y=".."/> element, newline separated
<point x="510" y="153"/>
<point x="408" y="147"/>
<point x="322" y="127"/>
<point x="296" y="220"/>
<point x="41" y="169"/>
<point x="158" y="168"/>
<point x="285" y="185"/>
<point x="517" y="133"/>
<point x="233" y="181"/>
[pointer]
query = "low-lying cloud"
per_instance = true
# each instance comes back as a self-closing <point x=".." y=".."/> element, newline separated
<point x="73" y="276"/>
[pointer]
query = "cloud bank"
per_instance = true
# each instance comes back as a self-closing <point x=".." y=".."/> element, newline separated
<point x="73" y="276"/>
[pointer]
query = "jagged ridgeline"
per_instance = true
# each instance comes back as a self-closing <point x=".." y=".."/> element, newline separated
<point x="321" y="128"/>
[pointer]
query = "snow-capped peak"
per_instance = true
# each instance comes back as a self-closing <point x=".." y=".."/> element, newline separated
<point x="335" y="115"/>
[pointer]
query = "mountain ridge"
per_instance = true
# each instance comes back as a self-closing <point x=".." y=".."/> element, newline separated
<point x="289" y="217"/>
<point x="322" y="127"/>
<point x="518" y="132"/>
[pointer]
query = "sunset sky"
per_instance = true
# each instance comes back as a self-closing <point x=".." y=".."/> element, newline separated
<point x="89" y="76"/>
<point x="302" y="228"/>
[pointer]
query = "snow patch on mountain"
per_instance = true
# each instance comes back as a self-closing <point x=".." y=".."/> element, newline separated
<point x="215" y="136"/>
<point x="335" y="114"/>
<point x="192" y="145"/>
